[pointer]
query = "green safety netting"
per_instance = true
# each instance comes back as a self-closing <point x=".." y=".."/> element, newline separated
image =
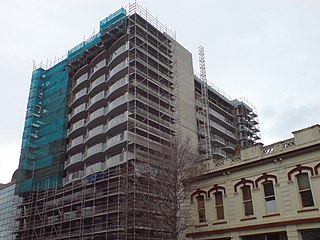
<point x="44" y="138"/>
<point x="45" y="131"/>
<point x="113" y="20"/>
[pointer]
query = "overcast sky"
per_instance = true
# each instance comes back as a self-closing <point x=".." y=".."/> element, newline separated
<point x="267" y="51"/>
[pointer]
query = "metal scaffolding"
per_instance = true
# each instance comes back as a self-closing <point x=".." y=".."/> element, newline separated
<point x="204" y="123"/>
<point x="130" y="75"/>
<point x="224" y="125"/>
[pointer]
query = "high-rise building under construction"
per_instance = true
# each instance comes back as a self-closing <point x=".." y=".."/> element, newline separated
<point x="113" y="104"/>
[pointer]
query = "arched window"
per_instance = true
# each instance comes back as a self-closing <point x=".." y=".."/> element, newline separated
<point x="201" y="208"/>
<point x="218" y="193"/>
<point x="269" y="197"/>
<point x="218" y="198"/>
<point x="247" y="200"/>
<point x="305" y="190"/>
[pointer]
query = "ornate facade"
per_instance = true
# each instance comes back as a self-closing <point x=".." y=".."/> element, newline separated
<point x="265" y="193"/>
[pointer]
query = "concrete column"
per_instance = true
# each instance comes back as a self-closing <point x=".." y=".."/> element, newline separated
<point x="292" y="233"/>
<point x="235" y="236"/>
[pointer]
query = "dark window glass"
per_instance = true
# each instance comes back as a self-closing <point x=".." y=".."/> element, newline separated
<point x="305" y="190"/>
<point x="313" y="234"/>
<point x="268" y="189"/>
<point x="201" y="209"/>
<point x="219" y="205"/>
<point x="246" y="193"/>
<point x="269" y="197"/>
<point x="247" y="200"/>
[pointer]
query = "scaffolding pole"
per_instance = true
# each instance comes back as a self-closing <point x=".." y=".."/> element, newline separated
<point x="205" y="103"/>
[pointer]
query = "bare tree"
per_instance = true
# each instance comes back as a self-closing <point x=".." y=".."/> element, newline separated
<point x="165" y="179"/>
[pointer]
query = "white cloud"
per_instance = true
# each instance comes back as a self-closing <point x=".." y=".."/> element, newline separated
<point x="267" y="51"/>
<point x="8" y="161"/>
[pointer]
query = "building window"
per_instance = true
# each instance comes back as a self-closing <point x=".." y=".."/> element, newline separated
<point x="201" y="209"/>
<point x="269" y="197"/>
<point x="247" y="200"/>
<point x="313" y="234"/>
<point x="268" y="236"/>
<point x="305" y="190"/>
<point x="218" y="196"/>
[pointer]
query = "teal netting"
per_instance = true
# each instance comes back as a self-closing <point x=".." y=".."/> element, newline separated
<point x="78" y="50"/>
<point x="111" y="21"/>
<point x="43" y="147"/>
<point x="114" y="19"/>
<point x="44" y="136"/>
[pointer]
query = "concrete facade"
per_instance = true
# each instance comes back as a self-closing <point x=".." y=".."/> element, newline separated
<point x="186" y="97"/>
<point x="269" y="192"/>
<point x="233" y="124"/>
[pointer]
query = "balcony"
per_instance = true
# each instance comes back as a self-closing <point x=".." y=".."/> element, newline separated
<point x="222" y="119"/>
<point x="74" y="159"/>
<point x="80" y="93"/>
<point x="115" y="160"/>
<point x="229" y="146"/>
<point x="214" y="106"/>
<point x="222" y="130"/>
<point x="94" y="168"/>
<point x="76" y="128"/>
<point x="97" y="101"/>
<point x="114" y="141"/>
<point x="117" y="85"/>
<point x="95" y="115"/>
<point x="94" y="133"/>
<point x="124" y="48"/>
<point x="114" y="72"/>
<point x="73" y="176"/>
<point x="78" y="113"/>
<point x="80" y="82"/>
<point x="116" y="121"/>
<point x="97" y="85"/>
<point x="98" y="70"/>
<point x="79" y="98"/>
<point x="217" y="140"/>
<point x="118" y="102"/>
<point x="75" y="144"/>
<point x="98" y="66"/>
<point x="94" y="152"/>
<point x="218" y="152"/>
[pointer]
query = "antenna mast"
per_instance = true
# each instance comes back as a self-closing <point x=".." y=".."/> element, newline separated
<point x="205" y="104"/>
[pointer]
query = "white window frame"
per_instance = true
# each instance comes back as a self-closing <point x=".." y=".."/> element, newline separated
<point x="301" y="191"/>
<point x="269" y="198"/>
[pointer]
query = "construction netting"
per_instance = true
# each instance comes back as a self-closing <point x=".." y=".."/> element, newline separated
<point x="114" y="19"/>
<point x="78" y="50"/>
<point x="111" y="21"/>
<point x="44" y="137"/>
<point x="43" y="149"/>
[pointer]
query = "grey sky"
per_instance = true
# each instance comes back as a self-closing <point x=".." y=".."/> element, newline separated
<point x="265" y="50"/>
